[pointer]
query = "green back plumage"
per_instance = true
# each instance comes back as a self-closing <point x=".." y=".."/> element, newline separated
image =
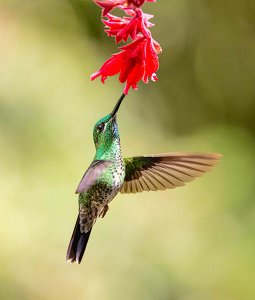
<point x="133" y="164"/>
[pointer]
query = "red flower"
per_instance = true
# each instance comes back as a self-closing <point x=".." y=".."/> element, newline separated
<point x="137" y="60"/>
<point x="108" y="5"/>
<point x="123" y="28"/>
<point x="138" y="3"/>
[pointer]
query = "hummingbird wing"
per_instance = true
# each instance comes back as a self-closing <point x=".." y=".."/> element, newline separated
<point x="165" y="171"/>
<point x="94" y="171"/>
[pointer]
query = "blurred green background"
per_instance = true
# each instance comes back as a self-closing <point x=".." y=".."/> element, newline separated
<point x="193" y="243"/>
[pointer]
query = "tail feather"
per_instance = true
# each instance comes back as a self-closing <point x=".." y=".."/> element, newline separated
<point x="77" y="244"/>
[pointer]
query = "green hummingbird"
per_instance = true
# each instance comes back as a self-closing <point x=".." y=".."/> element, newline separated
<point x="110" y="173"/>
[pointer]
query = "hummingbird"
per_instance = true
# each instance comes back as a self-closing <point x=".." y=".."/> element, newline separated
<point x="110" y="173"/>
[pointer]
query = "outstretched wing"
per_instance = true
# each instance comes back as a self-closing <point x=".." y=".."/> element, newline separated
<point x="165" y="171"/>
<point x="91" y="175"/>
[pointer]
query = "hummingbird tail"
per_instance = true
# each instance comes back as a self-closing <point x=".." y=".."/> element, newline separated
<point x="77" y="244"/>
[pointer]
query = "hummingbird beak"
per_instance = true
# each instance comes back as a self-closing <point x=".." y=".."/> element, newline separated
<point x="117" y="106"/>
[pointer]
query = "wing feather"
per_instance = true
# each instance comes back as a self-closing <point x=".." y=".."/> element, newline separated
<point x="94" y="171"/>
<point x="167" y="182"/>
<point x="139" y="186"/>
<point x="167" y="179"/>
<point x="165" y="171"/>
<point x="133" y="186"/>
<point x="144" y="184"/>
<point x="156" y="180"/>
<point x="149" y="182"/>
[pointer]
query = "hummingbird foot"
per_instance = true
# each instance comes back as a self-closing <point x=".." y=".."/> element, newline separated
<point x="104" y="211"/>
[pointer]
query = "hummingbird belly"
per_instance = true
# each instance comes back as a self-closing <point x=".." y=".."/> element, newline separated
<point x="92" y="203"/>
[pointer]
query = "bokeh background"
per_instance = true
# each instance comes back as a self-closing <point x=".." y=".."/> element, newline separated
<point x="193" y="243"/>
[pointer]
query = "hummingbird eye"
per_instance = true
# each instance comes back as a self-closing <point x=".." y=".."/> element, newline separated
<point x="100" y="127"/>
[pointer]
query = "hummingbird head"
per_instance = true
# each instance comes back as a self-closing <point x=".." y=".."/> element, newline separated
<point x="106" y="129"/>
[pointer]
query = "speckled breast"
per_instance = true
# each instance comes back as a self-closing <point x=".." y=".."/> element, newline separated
<point x="108" y="185"/>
